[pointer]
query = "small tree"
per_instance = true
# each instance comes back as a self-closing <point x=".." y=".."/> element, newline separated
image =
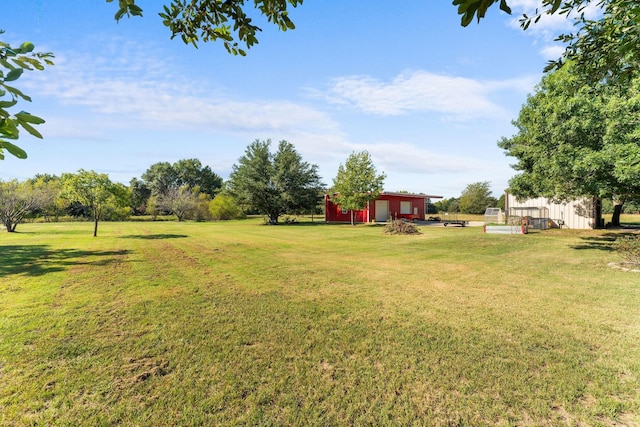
<point x="476" y="198"/>
<point x="180" y="201"/>
<point x="19" y="199"/>
<point x="50" y="185"/>
<point x="93" y="190"/>
<point x="357" y="183"/>
<point x="152" y="207"/>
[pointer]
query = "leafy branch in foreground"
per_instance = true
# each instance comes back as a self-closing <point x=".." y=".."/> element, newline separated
<point x="210" y="20"/>
<point x="604" y="48"/>
<point x="13" y="62"/>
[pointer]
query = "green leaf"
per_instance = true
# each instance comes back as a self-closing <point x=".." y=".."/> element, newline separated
<point x="13" y="149"/>
<point x="505" y="7"/>
<point x="17" y="92"/>
<point x="27" y="47"/>
<point x="8" y="129"/>
<point x="13" y="75"/>
<point x="23" y="116"/>
<point x="8" y="104"/>
<point x="31" y="129"/>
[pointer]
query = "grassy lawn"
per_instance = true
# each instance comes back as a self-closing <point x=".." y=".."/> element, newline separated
<point x="311" y="324"/>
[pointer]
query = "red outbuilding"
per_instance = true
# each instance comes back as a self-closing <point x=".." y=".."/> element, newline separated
<point x="386" y="207"/>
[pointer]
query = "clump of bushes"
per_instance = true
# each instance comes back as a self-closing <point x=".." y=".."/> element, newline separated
<point x="400" y="226"/>
<point x="224" y="207"/>
<point x="629" y="248"/>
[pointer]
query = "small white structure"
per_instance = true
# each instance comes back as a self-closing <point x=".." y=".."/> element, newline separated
<point x="542" y="213"/>
<point x="493" y="215"/>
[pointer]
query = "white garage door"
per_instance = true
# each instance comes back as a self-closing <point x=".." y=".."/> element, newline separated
<point x="382" y="210"/>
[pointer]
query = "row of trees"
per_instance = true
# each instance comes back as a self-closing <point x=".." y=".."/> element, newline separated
<point x="85" y="193"/>
<point x="265" y="182"/>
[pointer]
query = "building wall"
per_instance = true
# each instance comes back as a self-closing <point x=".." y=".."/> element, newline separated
<point x="334" y="213"/>
<point x="414" y="203"/>
<point x="578" y="214"/>
<point x="416" y="206"/>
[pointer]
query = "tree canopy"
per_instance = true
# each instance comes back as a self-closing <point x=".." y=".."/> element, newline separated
<point x="357" y="182"/>
<point x="274" y="184"/>
<point x="573" y="141"/>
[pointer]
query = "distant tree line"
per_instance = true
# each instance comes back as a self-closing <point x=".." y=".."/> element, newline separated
<point x="271" y="184"/>
<point x="475" y="199"/>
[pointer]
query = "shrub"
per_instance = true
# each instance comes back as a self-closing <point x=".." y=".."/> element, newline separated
<point x="629" y="248"/>
<point x="400" y="226"/>
<point x="224" y="207"/>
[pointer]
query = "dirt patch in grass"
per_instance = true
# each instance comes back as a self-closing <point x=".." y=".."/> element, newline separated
<point x="137" y="370"/>
<point x="625" y="266"/>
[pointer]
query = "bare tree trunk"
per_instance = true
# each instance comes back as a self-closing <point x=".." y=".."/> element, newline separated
<point x="96" y="216"/>
<point x="617" y="210"/>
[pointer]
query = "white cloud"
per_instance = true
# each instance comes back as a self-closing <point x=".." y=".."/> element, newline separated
<point x="456" y="98"/>
<point x="552" y="52"/>
<point x="403" y="158"/>
<point x="143" y="93"/>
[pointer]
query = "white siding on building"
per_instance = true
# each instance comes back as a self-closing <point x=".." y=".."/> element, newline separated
<point x="578" y="214"/>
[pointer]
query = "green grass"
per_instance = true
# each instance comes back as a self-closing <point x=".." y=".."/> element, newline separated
<point x="311" y="324"/>
<point x="625" y="219"/>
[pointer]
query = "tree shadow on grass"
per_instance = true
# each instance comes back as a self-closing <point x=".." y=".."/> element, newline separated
<point x="154" y="236"/>
<point x="604" y="242"/>
<point x="38" y="260"/>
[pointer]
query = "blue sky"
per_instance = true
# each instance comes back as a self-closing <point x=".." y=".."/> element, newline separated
<point x="427" y="98"/>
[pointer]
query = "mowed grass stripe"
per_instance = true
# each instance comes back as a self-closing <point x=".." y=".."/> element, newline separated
<point x="239" y="323"/>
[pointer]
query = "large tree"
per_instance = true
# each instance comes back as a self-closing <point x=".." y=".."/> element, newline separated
<point x="274" y="184"/>
<point x="14" y="60"/>
<point x="357" y="183"/>
<point x="94" y="191"/>
<point x="574" y="141"/>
